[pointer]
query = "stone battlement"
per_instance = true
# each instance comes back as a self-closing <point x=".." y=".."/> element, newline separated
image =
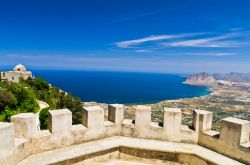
<point x="20" y="138"/>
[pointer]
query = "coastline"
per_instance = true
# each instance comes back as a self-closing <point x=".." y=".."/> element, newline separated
<point x="222" y="100"/>
<point x="210" y="89"/>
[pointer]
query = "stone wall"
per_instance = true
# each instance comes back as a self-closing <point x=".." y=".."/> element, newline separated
<point x="20" y="138"/>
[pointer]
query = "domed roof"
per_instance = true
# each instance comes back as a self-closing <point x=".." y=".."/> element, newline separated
<point x="19" y="67"/>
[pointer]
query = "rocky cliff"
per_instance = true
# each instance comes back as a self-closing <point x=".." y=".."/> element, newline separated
<point x="201" y="79"/>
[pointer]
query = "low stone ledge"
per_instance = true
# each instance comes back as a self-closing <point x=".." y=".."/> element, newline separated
<point x="63" y="154"/>
<point x="156" y="125"/>
<point x="108" y="123"/>
<point x="245" y="145"/>
<point x="186" y="128"/>
<point x="20" y="142"/>
<point x="44" y="133"/>
<point x="212" y="133"/>
<point x="78" y="128"/>
<point x="128" y="122"/>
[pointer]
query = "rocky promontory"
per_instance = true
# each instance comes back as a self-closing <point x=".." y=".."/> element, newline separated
<point x="202" y="78"/>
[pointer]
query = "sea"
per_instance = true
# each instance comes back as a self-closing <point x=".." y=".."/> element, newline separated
<point x="122" y="87"/>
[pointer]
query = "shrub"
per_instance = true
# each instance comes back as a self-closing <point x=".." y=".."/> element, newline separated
<point x="43" y="117"/>
<point x="22" y="97"/>
<point x="38" y="83"/>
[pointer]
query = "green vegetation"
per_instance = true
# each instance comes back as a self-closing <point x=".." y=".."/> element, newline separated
<point x="166" y="104"/>
<point x="43" y="117"/>
<point x="16" y="98"/>
<point x="22" y="97"/>
<point x="222" y="105"/>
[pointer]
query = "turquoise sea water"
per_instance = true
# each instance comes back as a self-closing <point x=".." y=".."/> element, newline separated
<point x="122" y="87"/>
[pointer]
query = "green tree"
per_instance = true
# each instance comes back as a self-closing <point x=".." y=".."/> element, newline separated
<point x="26" y="97"/>
<point x="7" y="113"/>
<point x="7" y="99"/>
<point x="73" y="104"/>
<point x="39" y="83"/>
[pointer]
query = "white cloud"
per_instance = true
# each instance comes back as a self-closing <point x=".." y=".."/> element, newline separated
<point x="218" y="54"/>
<point x="143" y="51"/>
<point x="232" y="39"/>
<point x="218" y="41"/>
<point x="131" y="43"/>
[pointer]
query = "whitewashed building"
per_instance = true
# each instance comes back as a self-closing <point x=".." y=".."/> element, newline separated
<point x="18" y="72"/>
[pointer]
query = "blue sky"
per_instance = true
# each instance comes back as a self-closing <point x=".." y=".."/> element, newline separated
<point x="181" y="36"/>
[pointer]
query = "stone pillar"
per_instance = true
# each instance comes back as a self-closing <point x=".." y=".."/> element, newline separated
<point x="93" y="117"/>
<point x="7" y="139"/>
<point x="25" y="125"/>
<point x="202" y="120"/>
<point x="234" y="131"/>
<point x="172" y="120"/>
<point x="142" y="116"/>
<point x="60" y="122"/>
<point x="116" y="113"/>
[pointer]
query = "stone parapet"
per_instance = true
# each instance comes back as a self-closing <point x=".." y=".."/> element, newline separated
<point x="60" y="121"/>
<point x="235" y="131"/>
<point x="116" y="113"/>
<point x="20" y="139"/>
<point x="93" y="117"/>
<point x="7" y="139"/>
<point x="172" y="121"/>
<point x="202" y="120"/>
<point x="142" y="116"/>
<point x="25" y="125"/>
<point x="232" y="140"/>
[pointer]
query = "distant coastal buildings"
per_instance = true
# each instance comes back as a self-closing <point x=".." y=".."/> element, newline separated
<point x="18" y="72"/>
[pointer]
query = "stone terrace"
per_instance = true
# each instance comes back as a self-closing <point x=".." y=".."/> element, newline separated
<point x="124" y="139"/>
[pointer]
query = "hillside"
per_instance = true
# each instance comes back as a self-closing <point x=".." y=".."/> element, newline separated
<point x="22" y="97"/>
<point x="233" y="76"/>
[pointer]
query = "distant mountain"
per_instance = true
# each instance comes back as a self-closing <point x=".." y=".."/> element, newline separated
<point x="233" y="76"/>
<point x="202" y="78"/>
